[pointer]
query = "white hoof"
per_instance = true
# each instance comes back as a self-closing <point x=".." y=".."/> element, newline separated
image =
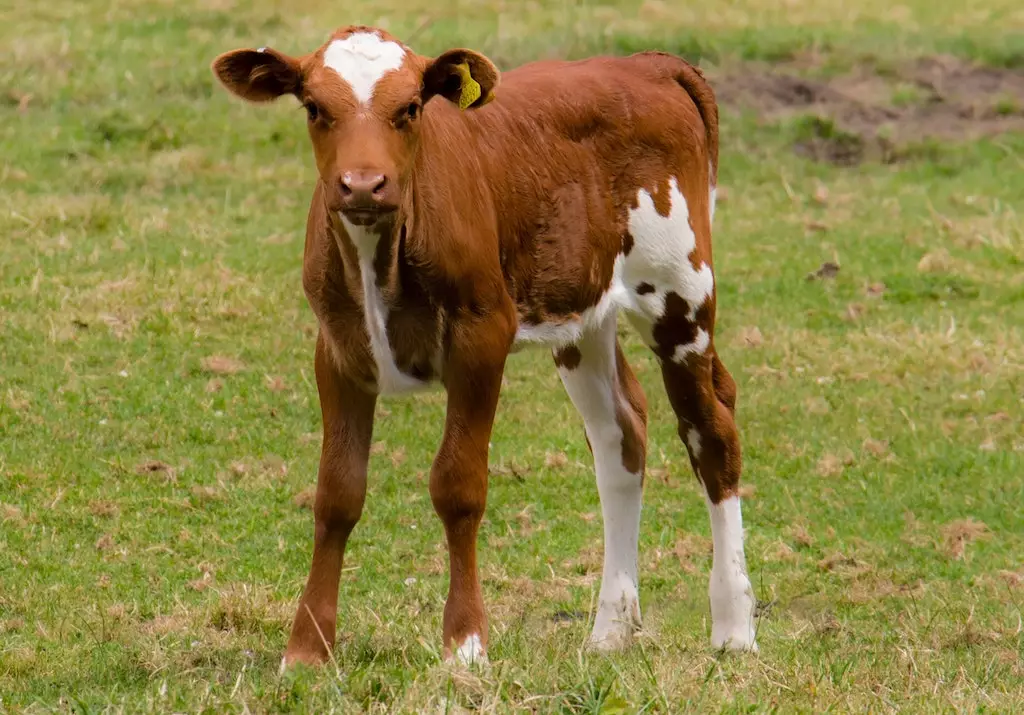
<point x="616" y="624"/>
<point x="733" y="639"/>
<point x="613" y="639"/>
<point x="732" y="612"/>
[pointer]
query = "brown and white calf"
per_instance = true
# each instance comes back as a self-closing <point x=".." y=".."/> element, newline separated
<point x="440" y="239"/>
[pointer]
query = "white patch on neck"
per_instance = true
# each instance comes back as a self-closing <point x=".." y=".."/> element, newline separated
<point x="375" y="312"/>
<point x="362" y="59"/>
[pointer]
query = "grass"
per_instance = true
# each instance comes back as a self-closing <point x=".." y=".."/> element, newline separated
<point x="158" y="421"/>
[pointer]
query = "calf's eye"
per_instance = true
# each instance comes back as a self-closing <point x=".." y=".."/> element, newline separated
<point x="407" y="115"/>
<point x="312" y="110"/>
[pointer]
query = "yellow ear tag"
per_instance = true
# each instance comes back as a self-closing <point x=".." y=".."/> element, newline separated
<point x="470" y="87"/>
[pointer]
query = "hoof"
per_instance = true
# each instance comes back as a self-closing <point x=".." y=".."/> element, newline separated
<point x="736" y="640"/>
<point x="311" y="659"/>
<point x="732" y="611"/>
<point x="615" y="639"/>
<point x="616" y="624"/>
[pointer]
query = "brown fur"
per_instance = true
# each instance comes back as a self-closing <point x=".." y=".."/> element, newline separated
<point x="631" y="416"/>
<point x="511" y="213"/>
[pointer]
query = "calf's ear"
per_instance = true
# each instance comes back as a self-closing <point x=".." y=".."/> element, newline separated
<point x="258" y="75"/>
<point x="463" y="77"/>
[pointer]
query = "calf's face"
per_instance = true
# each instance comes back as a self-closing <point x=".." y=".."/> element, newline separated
<point x="363" y="93"/>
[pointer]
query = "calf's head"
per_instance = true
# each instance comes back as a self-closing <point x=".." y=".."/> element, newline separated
<point x="364" y="93"/>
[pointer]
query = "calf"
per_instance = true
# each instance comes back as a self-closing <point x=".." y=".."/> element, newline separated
<point x="440" y="239"/>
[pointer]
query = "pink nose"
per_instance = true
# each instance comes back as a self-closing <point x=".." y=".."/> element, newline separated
<point x="363" y="190"/>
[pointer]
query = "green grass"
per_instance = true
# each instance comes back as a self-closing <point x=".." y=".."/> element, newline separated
<point x="150" y="223"/>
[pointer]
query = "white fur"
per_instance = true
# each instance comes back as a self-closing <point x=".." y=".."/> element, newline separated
<point x="593" y="388"/>
<point x="471" y="651"/>
<point x="661" y="255"/>
<point x="693" y="439"/>
<point x="363" y="237"/>
<point x="732" y="598"/>
<point x="697" y="347"/>
<point x="361" y="59"/>
<point x="389" y="378"/>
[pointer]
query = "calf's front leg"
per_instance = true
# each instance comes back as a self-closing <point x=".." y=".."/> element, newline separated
<point x="340" y="493"/>
<point x="458" y="485"/>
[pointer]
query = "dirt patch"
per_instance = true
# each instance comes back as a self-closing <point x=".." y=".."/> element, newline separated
<point x="957" y="534"/>
<point x="871" y="113"/>
<point x="221" y="365"/>
<point x="155" y="466"/>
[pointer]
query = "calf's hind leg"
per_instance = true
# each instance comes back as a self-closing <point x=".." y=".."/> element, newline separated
<point x="703" y="396"/>
<point x="614" y="411"/>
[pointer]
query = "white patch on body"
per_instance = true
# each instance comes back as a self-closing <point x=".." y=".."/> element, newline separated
<point x="693" y="439"/>
<point x="660" y="257"/>
<point x="570" y="331"/>
<point x="662" y="246"/>
<point x="471" y="651"/>
<point x="361" y="59"/>
<point x="375" y="311"/>
<point x="697" y="347"/>
<point x="732" y="598"/>
<point x="594" y="389"/>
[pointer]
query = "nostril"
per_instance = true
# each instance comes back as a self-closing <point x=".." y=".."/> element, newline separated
<point x="359" y="188"/>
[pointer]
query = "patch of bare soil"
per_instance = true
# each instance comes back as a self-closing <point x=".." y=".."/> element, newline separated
<point x="872" y="114"/>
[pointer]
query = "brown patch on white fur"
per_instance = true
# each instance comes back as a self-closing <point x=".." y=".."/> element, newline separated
<point x="631" y="416"/>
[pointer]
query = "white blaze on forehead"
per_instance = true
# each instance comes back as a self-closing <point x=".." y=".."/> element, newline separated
<point x="362" y="59"/>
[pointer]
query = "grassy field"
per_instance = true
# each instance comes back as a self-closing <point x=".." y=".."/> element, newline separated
<point x="159" y="423"/>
